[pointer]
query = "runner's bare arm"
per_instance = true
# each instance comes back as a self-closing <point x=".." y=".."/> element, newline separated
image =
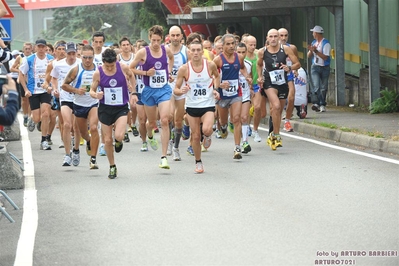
<point x="139" y="57"/>
<point x="94" y="85"/>
<point x="130" y="78"/>
<point x="259" y="67"/>
<point x="294" y="59"/>
<point x="15" y="66"/>
<point x="181" y="75"/>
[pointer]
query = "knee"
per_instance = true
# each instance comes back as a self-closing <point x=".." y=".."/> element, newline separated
<point x="195" y="137"/>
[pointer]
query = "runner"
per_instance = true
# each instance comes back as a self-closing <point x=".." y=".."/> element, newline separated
<point x="177" y="102"/>
<point x="199" y="75"/>
<point x="157" y="63"/>
<point x="230" y="63"/>
<point x="126" y="57"/>
<point x="58" y="74"/>
<point x="27" y="51"/>
<point x="116" y="83"/>
<point x="78" y="81"/>
<point x="274" y="80"/>
<point x="33" y="70"/>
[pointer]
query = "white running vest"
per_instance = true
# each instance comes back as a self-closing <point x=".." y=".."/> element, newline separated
<point x="84" y="78"/>
<point x="200" y="94"/>
<point x="246" y="93"/>
<point x="60" y="71"/>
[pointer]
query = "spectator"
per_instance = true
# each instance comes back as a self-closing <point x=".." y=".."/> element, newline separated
<point x="8" y="113"/>
<point x="319" y="51"/>
<point x="5" y="53"/>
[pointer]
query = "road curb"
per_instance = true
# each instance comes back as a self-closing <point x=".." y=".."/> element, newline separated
<point x="337" y="135"/>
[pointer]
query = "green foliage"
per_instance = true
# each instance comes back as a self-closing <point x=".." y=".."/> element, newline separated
<point x="126" y="19"/>
<point x="387" y="103"/>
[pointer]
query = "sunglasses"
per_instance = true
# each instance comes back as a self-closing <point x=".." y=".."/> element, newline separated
<point x="87" y="57"/>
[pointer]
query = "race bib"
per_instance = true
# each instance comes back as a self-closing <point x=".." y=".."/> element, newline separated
<point x="113" y="96"/>
<point x="198" y="92"/>
<point x="233" y="88"/>
<point x="277" y="77"/>
<point x="140" y="85"/>
<point x="86" y="86"/>
<point x="159" y="79"/>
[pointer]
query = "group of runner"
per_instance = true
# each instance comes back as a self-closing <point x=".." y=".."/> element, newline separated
<point x="191" y="90"/>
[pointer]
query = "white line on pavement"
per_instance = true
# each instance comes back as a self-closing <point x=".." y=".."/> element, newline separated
<point x="26" y="242"/>
<point x="337" y="147"/>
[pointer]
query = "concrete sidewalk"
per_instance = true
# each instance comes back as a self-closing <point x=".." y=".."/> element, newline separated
<point x="352" y="126"/>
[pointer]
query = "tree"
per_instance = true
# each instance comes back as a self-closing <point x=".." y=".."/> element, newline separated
<point x="126" y="20"/>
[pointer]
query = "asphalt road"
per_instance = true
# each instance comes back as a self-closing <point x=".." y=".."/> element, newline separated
<point x="293" y="206"/>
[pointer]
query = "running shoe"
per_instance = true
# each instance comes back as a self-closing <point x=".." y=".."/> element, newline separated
<point x="31" y="124"/>
<point x="223" y="133"/>
<point x="170" y="147"/>
<point x="237" y="153"/>
<point x="186" y="132"/>
<point x="135" y="131"/>
<point x="82" y="141"/>
<point x="315" y="107"/>
<point x="207" y="142"/>
<point x="144" y="147"/>
<point x="279" y="141"/>
<point x="156" y="130"/>
<point x="126" y="138"/>
<point x="118" y="146"/>
<point x="271" y="141"/>
<point x="130" y="129"/>
<point x="231" y="127"/>
<point x="288" y="127"/>
<point x="61" y="145"/>
<point x="217" y="134"/>
<point x="190" y="150"/>
<point x="67" y="160"/>
<point x="75" y="158"/>
<point x="164" y="163"/>
<point x="302" y="113"/>
<point x="203" y="149"/>
<point x="112" y="172"/>
<point x="93" y="165"/>
<point x="322" y="109"/>
<point x="257" y="137"/>
<point x="199" y="168"/>
<point x="39" y="126"/>
<point x="26" y="121"/>
<point x="176" y="154"/>
<point x="44" y="146"/>
<point x="102" y="151"/>
<point x="249" y="131"/>
<point x="49" y="141"/>
<point x="246" y="147"/>
<point x="153" y="142"/>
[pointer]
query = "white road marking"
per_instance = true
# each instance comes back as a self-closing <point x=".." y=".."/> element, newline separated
<point x="26" y="242"/>
<point x="388" y="160"/>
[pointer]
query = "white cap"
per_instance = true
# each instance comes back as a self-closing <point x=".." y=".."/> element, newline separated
<point x="15" y="52"/>
<point x="317" y="29"/>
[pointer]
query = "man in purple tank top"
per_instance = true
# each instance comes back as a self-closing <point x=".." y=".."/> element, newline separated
<point x="117" y="86"/>
<point x="157" y="63"/>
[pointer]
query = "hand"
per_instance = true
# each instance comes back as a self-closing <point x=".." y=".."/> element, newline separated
<point x="285" y="68"/>
<point x="10" y="86"/>
<point x="133" y="100"/>
<point x="81" y="91"/>
<point x="100" y="95"/>
<point x="216" y="95"/>
<point x="249" y="80"/>
<point x="184" y="89"/>
<point x="150" y="72"/>
<point x="225" y="85"/>
<point x="56" y="93"/>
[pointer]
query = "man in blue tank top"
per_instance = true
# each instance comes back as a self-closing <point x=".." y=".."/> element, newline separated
<point x="230" y="63"/>
<point x="117" y="87"/>
<point x="157" y="63"/>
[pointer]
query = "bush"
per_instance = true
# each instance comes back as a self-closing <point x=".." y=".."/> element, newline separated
<point x="387" y="103"/>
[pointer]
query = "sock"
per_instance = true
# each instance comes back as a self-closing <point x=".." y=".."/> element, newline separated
<point x="88" y="144"/>
<point x="48" y="136"/>
<point x="75" y="151"/>
<point x="178" y="132"/>
<point x="112" y="166"/>
<point x="244" y="133"/>
<point x="163" y="157"/>
<point x="270" y="124"/>
<point x="223" y="128"/>
<point x="198" y="161"/>
<point x="44" y="138"/>
<point x="287" y="120"/>
<point x="93" y="159"/>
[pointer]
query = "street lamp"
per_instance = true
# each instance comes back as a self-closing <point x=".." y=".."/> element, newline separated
<point x="105" y="26"/>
